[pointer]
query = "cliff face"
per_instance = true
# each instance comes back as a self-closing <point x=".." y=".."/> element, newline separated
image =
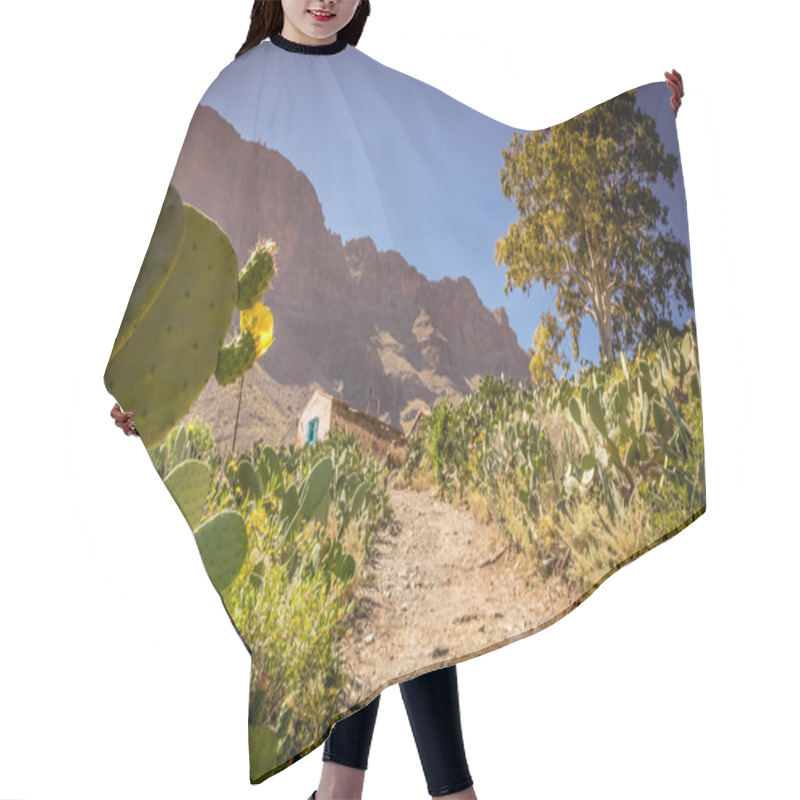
<point x="348" y="318"/>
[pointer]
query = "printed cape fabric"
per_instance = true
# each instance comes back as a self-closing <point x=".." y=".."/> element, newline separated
<point x="419" y="381"/>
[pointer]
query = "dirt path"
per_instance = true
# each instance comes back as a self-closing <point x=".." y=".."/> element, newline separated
<point x="439" y="587"/>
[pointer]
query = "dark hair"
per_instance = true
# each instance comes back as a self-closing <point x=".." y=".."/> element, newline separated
<point x="266" y="18"/>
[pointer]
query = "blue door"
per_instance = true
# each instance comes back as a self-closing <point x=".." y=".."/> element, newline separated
<point x="311" y="432"/>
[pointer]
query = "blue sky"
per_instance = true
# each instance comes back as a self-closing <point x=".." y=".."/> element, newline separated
<point x="396" y="159"/>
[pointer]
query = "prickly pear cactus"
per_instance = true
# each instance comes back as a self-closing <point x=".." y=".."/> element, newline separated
<point x="235" y="358"/>
<point x="270" y="745"/>
<point x="173" y="349"/>
<point x="316" y="488"/>
<point x="222" y="541"/>
<point x="256" y="275"/>
<point x="188" y="484"/>
<point x="248" y="481"/>
<point x="263" y="746"/>
<point x="159" y="260"/>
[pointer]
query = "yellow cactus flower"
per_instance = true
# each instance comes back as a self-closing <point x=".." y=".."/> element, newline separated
<point x="259" y="321"/>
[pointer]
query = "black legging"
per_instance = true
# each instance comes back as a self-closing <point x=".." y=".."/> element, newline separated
<point x="432" y="706"/>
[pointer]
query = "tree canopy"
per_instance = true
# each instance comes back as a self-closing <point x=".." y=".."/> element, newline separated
<point x="590" y="225"/>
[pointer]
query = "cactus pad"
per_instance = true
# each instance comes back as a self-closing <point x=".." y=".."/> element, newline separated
<point x="248" y="480"/>
<point x="222" y="541"/>
<point x="256" y="275"/>
<point x="235" y="358"/>
<point x="188" y="484"/>
<point x="263" y="746"/>
<point x="159" y="260"/>
<point x="173" y="351"/>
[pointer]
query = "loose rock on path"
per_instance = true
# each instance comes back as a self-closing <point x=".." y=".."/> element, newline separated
<point x="439" y="587"/>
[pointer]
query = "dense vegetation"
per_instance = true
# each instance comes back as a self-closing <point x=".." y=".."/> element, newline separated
<point x="584" y="473"/>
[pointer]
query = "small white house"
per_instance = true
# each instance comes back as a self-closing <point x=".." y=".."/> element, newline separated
<point x="323" y="411"/>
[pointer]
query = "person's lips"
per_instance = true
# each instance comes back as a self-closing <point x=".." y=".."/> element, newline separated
<point x="321" y="15"/>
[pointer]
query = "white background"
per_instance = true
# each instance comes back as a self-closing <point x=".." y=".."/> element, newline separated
<point x="120" y="673"/>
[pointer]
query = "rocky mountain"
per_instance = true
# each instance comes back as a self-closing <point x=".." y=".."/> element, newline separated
<point x="348" y="318"/>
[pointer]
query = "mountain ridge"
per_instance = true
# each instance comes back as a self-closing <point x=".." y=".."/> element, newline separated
<point x="348" y="318"/>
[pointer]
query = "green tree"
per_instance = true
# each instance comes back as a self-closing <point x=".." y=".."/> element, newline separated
<point x="590" y="225"/>
<point x="547" y="358"/>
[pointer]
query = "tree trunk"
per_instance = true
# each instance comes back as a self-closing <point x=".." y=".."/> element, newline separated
<point x="604" y="328"/>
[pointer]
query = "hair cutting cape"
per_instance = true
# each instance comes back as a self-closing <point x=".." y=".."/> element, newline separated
<point x="418" y="381"/>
